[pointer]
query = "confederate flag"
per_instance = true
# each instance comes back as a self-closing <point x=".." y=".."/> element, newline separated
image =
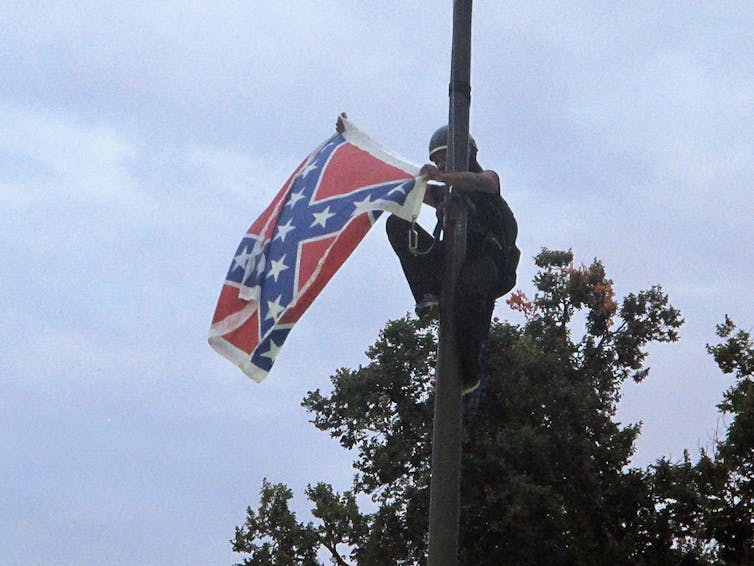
<point x="298" y="243"/>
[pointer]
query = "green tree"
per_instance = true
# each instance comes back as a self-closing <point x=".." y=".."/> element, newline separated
<point x="545" y="477"/>
<point x="705" y="511"/>
<point x="733" y="524"/>
<point x="273" y="536"/>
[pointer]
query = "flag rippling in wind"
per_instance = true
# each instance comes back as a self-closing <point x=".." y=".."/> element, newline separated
<point x="309" y="229"/>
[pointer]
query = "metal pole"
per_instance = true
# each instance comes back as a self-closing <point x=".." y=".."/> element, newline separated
<point x="444" y="507"/>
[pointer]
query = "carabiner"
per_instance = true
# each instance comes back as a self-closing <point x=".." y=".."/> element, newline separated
<point x="413" y="238"/>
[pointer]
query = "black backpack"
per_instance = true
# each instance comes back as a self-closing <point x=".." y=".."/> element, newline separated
<point x="506" y="232"/>
<point x="496" y="218"/>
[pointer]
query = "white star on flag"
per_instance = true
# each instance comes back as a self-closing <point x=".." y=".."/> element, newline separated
<point x="293" y="198"/>
<point x="283" y="229"/>
<point x="363" y="205"/>
<point x="272" y="353"/>
<point x="274" y="308"/>
<point x="308" y="169"/>
<point x="321" y="218"/>
<point x="242" y="259"/>
<point x="276" y="268"/>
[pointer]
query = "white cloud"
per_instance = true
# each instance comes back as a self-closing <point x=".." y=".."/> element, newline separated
<point x="50" y="155"/>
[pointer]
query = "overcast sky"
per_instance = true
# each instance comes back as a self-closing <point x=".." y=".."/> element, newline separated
<point x="138" y="143"/>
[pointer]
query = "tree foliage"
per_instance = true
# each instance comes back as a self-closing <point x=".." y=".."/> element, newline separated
<point x="706" y="509"/>
<point x="273" y="536"/>
<point x="546" y="476"/>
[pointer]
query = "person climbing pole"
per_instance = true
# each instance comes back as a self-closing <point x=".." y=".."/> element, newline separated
<point x="491" y="259"/>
